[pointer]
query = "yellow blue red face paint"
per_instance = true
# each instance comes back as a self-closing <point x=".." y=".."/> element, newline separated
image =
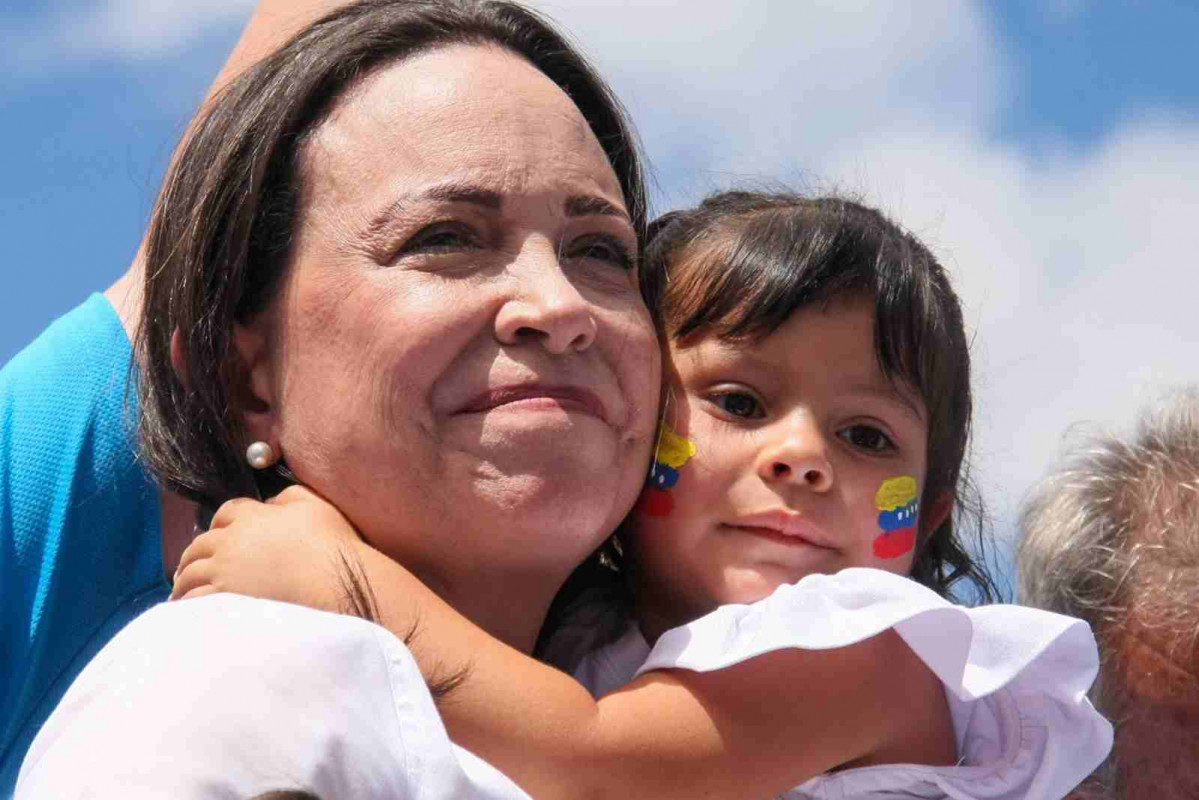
<point x="672" y="453"/>
<point x="898" y="503"/>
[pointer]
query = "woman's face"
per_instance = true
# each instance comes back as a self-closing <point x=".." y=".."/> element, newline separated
<point x="459" y="358"/>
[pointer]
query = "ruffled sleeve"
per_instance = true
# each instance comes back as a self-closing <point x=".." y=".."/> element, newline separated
<point x="1016" y="679"/>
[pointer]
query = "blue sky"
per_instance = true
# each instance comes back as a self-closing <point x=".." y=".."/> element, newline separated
<point x="1084" y="67"/>
<point x="1048" y="151"/>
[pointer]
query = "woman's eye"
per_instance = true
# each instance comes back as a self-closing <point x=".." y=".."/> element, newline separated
<point x="739" y="404"/>
<point x="439" y="238"/>
<point x="867" y="437"/>
<point x="602" y="248"/>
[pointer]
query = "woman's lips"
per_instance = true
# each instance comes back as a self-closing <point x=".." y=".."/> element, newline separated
<point x="571" y="398"/>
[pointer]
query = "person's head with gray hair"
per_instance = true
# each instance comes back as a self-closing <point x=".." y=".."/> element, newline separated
<point x="1112" y="536"/>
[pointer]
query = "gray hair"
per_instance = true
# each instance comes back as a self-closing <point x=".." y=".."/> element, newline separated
<point x="1113" y="510"/>
<point x="1112" y="536"/>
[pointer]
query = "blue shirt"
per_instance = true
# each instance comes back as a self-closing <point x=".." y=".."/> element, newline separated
<point x="80" y="540"/>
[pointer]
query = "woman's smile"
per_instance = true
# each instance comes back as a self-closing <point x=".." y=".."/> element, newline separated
<point x="529" y="398"/>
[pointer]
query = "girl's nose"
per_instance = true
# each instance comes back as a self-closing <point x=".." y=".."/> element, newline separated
<point x="545" y="307"/>
<point x="797" y="454"/>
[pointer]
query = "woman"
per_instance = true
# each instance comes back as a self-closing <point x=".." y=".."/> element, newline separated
<point x="401" y="254"/>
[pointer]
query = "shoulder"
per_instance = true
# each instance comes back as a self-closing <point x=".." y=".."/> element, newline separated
<point x="90" y="335"/>
<point x="64" y="398"/>
<point x="820" y="612"/>
<point x="233" y="695"/>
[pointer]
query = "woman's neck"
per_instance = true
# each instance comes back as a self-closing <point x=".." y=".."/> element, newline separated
<point x="510" y="608"/>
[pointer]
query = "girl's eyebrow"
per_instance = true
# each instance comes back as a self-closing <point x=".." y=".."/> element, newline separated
<point x="888" y="394"/>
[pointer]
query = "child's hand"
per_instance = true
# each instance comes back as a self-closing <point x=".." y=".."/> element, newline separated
<point x="291" y="548"/>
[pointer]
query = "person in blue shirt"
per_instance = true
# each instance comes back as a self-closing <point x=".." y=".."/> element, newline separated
<point x="80" y="551"/>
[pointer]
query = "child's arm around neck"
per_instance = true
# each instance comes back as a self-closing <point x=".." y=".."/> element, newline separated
<point x="755" y="729"/>
<point x="751" y="730"/>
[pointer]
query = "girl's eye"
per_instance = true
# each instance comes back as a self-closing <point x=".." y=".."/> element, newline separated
<point x="867" y="437"/>
<point x="441" y="237"/>
<point x="602" y="248"/>
<point x="739" y="404"/>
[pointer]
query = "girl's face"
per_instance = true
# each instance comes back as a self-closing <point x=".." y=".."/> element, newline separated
<point x="791" y="456"/>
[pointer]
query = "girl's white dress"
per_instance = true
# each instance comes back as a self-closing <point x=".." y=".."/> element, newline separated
<point x="1015" y="679"/>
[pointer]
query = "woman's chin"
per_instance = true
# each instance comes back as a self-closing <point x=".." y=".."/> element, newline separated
<point x="560" y="449"/>
<point x="528" y="424"/>
<point x="564" y="491"/>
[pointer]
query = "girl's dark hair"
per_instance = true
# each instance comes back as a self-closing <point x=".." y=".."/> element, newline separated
<point x="220" y="237"/>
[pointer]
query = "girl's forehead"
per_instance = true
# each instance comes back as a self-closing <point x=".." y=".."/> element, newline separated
<point x="841" y="330"/>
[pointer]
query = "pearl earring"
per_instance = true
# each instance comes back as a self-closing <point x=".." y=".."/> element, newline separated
<point x="260" y="455"/>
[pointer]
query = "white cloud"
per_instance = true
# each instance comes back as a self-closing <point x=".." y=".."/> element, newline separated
<point x="146" y="28"/>
<point x="725" y="89"/>
<point x="66" y="33"/>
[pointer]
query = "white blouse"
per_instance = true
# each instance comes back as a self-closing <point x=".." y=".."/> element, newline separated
<point x="229" y="697"/>
<point x="1015" y="679"/>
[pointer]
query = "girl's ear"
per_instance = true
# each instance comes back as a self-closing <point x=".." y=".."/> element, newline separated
<point x="254" y="392"/>
<point x="941" y="508"/>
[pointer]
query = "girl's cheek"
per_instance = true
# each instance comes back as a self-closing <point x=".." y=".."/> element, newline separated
<point x="898" y="503"/>
<point x="673" y="451"/>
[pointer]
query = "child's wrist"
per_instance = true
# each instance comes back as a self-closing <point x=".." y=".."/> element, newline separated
<point x="397" y="595"/>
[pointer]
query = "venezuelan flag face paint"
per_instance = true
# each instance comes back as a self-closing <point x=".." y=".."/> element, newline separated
<point x="673" y="452"/>
<point x="898" y="502"/>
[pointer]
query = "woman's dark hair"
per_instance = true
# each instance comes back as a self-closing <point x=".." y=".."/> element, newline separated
<point x="220" y="237"/>
<point x="742" y="263"/>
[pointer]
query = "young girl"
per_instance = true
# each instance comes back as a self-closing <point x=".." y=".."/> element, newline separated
<point x="786" y="568"/>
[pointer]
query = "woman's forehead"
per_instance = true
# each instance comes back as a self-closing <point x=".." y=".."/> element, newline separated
<point x="469" y="114"/>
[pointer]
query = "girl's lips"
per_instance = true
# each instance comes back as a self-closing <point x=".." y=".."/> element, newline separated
<point x="783" y="526"/>
<point x="571" y="397"/>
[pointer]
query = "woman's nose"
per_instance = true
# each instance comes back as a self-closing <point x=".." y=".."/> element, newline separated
<point x="546" y="308"/>
<point x="796" y="454"/>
